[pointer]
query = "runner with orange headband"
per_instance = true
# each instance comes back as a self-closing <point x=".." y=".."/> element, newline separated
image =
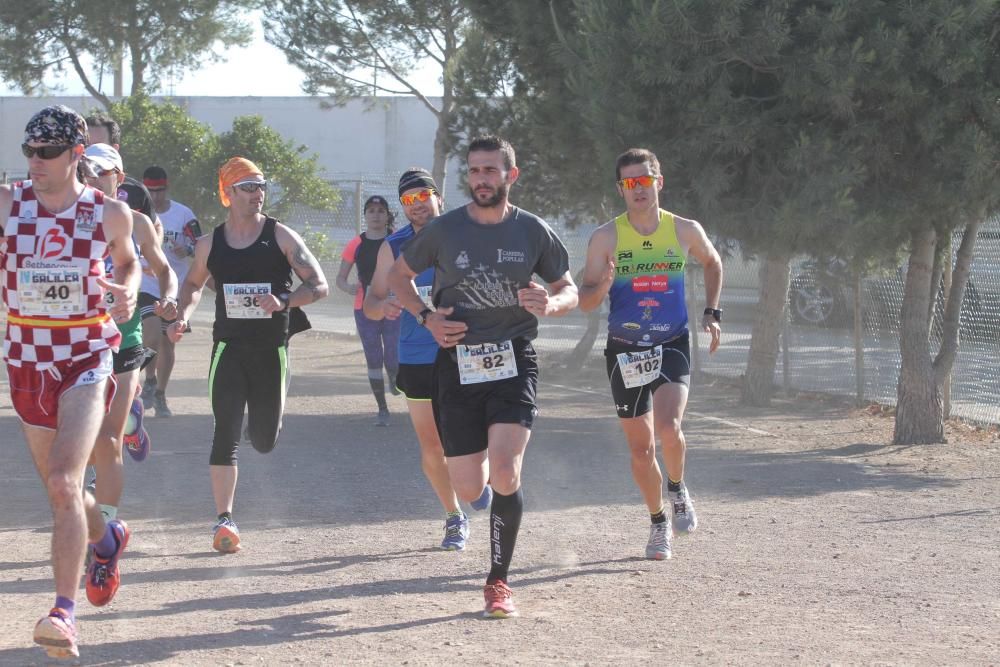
<point x="250" y="258"/>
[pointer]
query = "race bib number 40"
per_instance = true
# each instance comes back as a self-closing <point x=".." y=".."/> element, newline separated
<point x="640" y="368"/>
<point x="486" y="363"/>
<point x="53" y="290"/>
<point x="243" y="300"/>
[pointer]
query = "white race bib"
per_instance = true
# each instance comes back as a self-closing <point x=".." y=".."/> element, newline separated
<point x="425" y="294"/>
<point x="54" y="290"/>
<point x="640" y="368"/>
<point x="243" y="300"/>
<point x="486" y="362"/>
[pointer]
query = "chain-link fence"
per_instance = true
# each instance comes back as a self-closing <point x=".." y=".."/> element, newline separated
<point x="818" y="350"/>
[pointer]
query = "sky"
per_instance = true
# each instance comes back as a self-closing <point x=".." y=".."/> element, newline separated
<point x="259" y="69"/>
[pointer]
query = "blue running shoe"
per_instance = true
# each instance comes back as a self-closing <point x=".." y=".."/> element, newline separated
<point x="483" y="502"/>
<point x="456" y="532"/>
<point x="136" y="440"/>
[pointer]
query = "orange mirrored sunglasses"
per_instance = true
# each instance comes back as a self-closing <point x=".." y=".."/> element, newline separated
<point x="422" y="196"/>
<point x="646" y="181"/>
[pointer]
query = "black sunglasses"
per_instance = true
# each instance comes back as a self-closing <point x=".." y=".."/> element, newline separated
<point x="45" y="152"/>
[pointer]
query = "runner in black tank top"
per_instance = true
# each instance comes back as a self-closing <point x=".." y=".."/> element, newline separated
<point x="251" y="258"/>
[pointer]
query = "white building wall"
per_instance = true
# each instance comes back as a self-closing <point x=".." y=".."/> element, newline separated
<point x="358" y="139"/>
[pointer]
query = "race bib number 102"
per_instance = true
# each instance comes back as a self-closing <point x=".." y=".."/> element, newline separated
<point x="243" y="300"/>
<point x="486" y="362"/>
<point x="640" y="368"/>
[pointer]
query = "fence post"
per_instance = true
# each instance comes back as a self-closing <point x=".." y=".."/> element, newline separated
<point x="359" y="205"/>
<point x="786" y="360"/>
<point x="859" y="342"/>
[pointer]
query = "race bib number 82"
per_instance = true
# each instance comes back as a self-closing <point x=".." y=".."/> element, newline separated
<point x="486" y="362"/>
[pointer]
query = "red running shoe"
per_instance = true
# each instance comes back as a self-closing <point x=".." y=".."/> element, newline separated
<point x="103" y="577"/>
<point x="499" y="600"/>
<point x="57" y="634"/>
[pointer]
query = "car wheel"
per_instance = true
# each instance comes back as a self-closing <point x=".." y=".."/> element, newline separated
<point x="812" y="303"/>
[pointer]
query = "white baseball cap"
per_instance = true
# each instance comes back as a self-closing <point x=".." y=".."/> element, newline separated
<point x="104" y="157"/>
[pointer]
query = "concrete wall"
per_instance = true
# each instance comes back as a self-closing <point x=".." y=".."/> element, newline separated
<point x="357" y="139"/>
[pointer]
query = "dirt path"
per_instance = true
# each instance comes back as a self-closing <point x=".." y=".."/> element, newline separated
<point x="818" y="543"/>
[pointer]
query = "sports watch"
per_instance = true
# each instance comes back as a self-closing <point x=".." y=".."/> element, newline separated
<point x="284" y="298"/>
<point x="715" y="313"/>
<point x="422" y="316"/>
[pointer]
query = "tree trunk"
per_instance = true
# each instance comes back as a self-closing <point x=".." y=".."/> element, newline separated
<point x="919" y="407"/>
<point x="758" y="382"/>
<point x="945" y="359"/>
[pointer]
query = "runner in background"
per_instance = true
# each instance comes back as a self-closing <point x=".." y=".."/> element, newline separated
<point x="379" y="338"/>
<point x="180" y="230"/>
<point x="417" y="350"/>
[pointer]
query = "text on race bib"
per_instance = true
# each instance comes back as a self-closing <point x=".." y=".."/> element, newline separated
<point x="243" y="300"/>
<point x="52" y="290"/>
<point x="640" y="368"/>
<point x="425" y="294"/>
<point x="486" y="362"/>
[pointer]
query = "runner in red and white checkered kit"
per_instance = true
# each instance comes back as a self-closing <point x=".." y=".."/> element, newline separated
<point x="60" y="336"/>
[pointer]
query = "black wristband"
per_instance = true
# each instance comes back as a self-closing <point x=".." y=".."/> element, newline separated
<point x="715" y="313"/>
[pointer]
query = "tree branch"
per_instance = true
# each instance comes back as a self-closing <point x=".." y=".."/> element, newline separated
<point x="78" y="68"/>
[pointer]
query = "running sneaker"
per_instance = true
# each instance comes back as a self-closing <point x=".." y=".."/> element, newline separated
<point x="160" y="406"/>
<point x="103" y="576"/>
<point x="456" y="532"/>
<point x="136" y="439"/>
<point x="684" y="519"/>
<point x="148" y="389"/>
<point x="658" y="547"/>
<point x="226" y="536"/>
<point x="483" y="502"/>
<point x="382" y="419"/>
<point x="57" y="634"/>
<point x="499" y="601"/>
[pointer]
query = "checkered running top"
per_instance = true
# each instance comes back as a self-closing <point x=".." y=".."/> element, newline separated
<point x="50" y="268"/>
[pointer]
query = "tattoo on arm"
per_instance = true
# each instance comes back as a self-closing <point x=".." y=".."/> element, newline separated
<point x="306" y="265"/>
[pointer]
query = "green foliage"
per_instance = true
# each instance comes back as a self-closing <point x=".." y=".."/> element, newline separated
<point x="38" y="37"/>
<point x="163" y="134"/>
<point x="835" y="126"/>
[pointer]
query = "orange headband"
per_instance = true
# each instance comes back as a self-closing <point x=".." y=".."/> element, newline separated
<point x="235" y="170"/>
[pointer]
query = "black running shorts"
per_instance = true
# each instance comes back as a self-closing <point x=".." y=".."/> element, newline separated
<point x="464" y="413"/>
<point x="129" y="359"/>
<point x="637" y="401"/>
<point x="416" y="381"/>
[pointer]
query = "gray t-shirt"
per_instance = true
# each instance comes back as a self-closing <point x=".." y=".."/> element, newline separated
<point x="478" y="269"/>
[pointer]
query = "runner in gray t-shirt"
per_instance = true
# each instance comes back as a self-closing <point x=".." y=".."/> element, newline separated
<point x="484" y="256"/>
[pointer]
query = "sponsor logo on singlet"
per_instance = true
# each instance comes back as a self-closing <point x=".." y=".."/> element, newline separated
<point x="52" y="244"/>
<point x="462" y="261"/>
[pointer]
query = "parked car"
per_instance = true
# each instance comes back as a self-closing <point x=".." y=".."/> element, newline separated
<point x="821" y="292"/>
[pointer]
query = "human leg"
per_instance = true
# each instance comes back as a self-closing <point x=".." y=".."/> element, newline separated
<point x="432" y="459"/>
<point x="390" y="346"/>
<point x="152" y="334"/>
<point x="227" y="392"/>
<point x="371" y="343"/>
<point x="108" y="447"/>
<point x="267" y="381"/>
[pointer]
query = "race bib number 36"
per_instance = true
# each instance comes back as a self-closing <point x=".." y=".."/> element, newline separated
<point x="640" y="368"/>
<point x="51" y="291"/>
<point x="486" y="363"/>
<point x="243" y="300"/>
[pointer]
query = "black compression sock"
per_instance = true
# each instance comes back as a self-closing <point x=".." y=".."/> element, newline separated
<point x="505" y="522"/>
<point x="674" y="487"/>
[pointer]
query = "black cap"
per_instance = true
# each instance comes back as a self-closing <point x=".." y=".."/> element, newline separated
<point x="376" y="199"/>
